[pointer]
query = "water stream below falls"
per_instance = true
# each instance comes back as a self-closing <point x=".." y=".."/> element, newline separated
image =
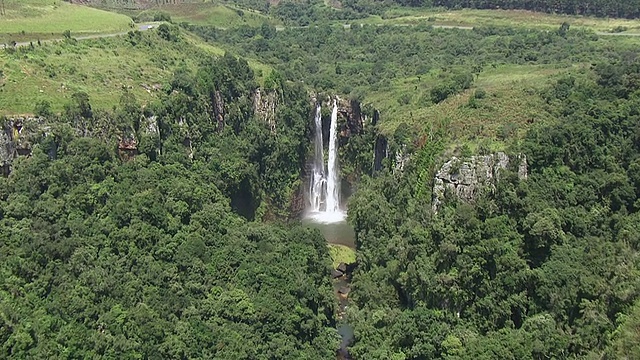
<point x="339" y="233"/>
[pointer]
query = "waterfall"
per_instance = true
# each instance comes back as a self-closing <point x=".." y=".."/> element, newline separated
<point x="317" y="183"/>
<point x="324" y="187"/>
<point x="333" y="179"/>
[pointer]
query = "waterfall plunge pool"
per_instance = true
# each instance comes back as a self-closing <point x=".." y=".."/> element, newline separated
<point x="337" y="233"/>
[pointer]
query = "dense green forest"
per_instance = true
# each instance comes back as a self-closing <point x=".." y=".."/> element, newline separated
<point x="103" y="255"/>
<point x="168" y="229"/>
<point x="544" y="268"/>
<point x="308" y="12"/>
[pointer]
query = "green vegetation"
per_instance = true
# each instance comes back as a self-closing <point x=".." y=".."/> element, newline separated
<point x="341" y="254"/>
<point x="141" y="62"/>
<point x="425" y="76"/>
<point x="148" y="220"/>
<point x="157" y="255"/>
<point x="545" y="267"/>
<point x="45" y="19"/>
<point x="462" y="15"/>
<point x="512" y="18"/>
<point x="207" y="13"/>
<point x="614" y="8"/>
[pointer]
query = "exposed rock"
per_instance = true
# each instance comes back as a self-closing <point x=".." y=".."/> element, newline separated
<point x="336" y="274"/>
<point x="344" y="290"/>
<point x="342" y="267"/>
<point x="17" y="137"/>
<point x="351" y="121"/>
<point x="8" y="148"/>
<point x="298" y="201"/>
<point x="128" y="144"/>
<point x="352" y="113"/>
<point x="380" y="152"/>
<point x="150" y="125"/>
<point x="402" y="158"/>
<point x="522" y="167"/>
<point x="218" y="110"/>
<point x="264" y="106"/>
<point x="466" y="179"/>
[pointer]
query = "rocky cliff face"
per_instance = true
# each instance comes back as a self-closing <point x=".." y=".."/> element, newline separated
<point x="381" y="146"/>
<point x="17" y="138"/>
<point x="217" y="103"/>
<point x="354" y="120"/>
<point x="264" y="106"/>
<point x="466" y="179"/>
<point x="351" y="120"/>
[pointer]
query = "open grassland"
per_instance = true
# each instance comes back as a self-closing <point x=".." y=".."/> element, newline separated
<point x="218" y="15"/>
<point x="514" y="18"/>
<point x="205" y="13"/>
<point x="103" y="68"/>
<point x="45" y="19"/>
<point x="510" y="102"/>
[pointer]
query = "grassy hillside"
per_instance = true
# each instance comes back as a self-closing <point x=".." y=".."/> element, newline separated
<point x="500" y="103"/>
<point x="43" y="19"/>
<point x="101" y="67"/>
<point x="207" y="13"/>
<point x="517" y="18"/>
<point x="214" y="13"/>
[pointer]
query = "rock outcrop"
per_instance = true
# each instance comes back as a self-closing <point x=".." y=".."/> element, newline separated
<point x="351" y="120"/>
<point x="466" y="179"/>
<point x="402" y="157"/>
<point x="265" y="104"/>
<point x="354" y="120"/>
<point x="219" y="113"/>
<point x="17" y="138"/>
<point x="381" y="146"/>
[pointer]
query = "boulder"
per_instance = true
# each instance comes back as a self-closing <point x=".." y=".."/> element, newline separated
<point x="344" y="290"/>
<point x="342" y="267"/>
<point x="336" y="274"/>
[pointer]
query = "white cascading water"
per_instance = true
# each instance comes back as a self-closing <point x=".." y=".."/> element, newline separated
<point x="333" y="180"/>
<point x="324" y="191"/>
<point x="317" y="186"/>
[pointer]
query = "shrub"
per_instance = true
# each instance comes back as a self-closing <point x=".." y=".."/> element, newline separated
<point x="42" y="108"/>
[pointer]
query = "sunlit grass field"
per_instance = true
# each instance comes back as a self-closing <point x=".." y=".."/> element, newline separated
<point x="44" y="19"/>
<point x="203" y="13"/>
<point x="103" y="68"/>
<point x="341" y="253"/>
<point x="219" y="15"/>
<point x="510" y="103"/>
<point x="517" y="18"/>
